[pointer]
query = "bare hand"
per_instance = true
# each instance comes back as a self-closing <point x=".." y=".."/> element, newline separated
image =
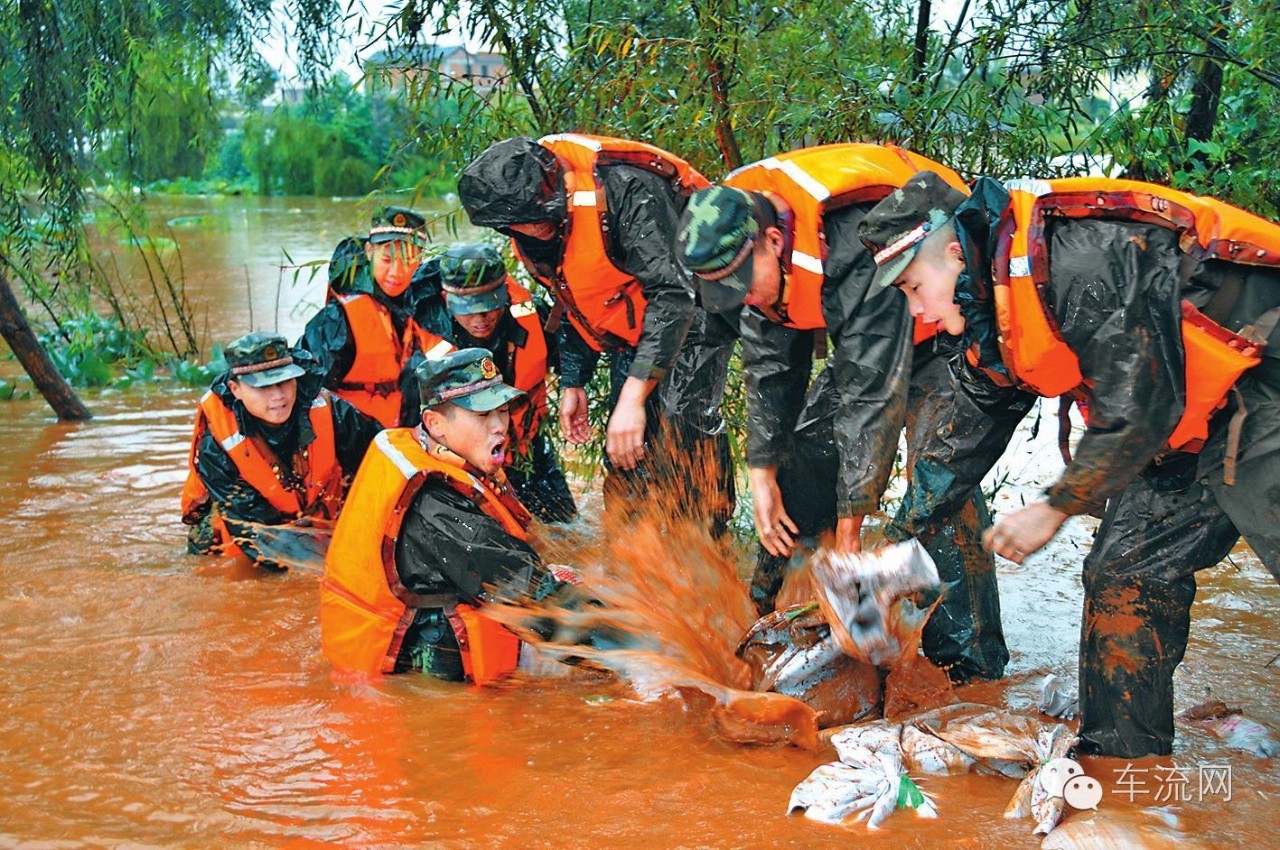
<point x="624" y="438"/>
<point x="849" y="534"/>
<point x="776" y="530"/>
<point x="1024" y="532"/>
<point x="573" y="415"/>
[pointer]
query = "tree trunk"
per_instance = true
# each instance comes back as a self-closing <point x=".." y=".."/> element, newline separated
<point x="33" y="357"/>
<point x="723" y="112"/>
<point x="1206" y="91"/>
<point x="920" y="54"/>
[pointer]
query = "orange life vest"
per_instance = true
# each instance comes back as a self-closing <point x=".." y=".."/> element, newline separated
<point x="364" y="609"/>
<point x="1030" y="344"/>
<point x="372" y="383"/>
<point x="526" y="368"/>
<point x="815" y="181"/>
<point x="322" y="475"/>
<point x="604" y="303"/>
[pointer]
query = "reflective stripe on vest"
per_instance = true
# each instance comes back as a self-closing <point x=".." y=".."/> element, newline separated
<point x="364" y="609"/>
<point x="815" y="180"/>
<point x="1030" y="345"/>
<point x="372" y="383"/>
<point x="323" y="479"/>
<point x="605" y="304"/>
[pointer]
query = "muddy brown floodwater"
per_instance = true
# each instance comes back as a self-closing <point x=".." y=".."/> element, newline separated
<point x="148" y="698"/>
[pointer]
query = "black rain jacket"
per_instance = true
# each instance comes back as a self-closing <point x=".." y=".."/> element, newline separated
<point x="643" y="214"/>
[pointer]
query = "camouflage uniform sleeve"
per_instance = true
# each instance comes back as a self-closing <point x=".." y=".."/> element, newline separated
<point x="644" y="216"/>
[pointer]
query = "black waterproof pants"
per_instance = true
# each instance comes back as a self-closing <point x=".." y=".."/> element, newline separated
<point x="1139" y="577"/>
<point x="964" y="636"/>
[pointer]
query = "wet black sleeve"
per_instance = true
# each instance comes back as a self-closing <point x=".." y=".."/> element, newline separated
<point x="328" y="339"/>
<point x="694" y="388"/>
<point x="962" y="435"/>
<point x="776" y="361"/>
<point x="870" y="364"/>
<point x="1115" y="291"/>
<point x="353" y="432"/>
<point x="577" y="359"/>
<point x="446" y="536"/>
<point x="242" y="507"/>
<point x="553" y="340"/>
<point x="644" y="217"/>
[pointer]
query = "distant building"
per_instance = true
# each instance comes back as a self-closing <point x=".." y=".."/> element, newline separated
<point x="392" y="71"/>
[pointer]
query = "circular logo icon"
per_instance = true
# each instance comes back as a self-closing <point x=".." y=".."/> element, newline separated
<point x="488" y="369"/>
<point x="1057" y="773"/>
<point x="398" y="220"/>
<point x="1083" y="792"/>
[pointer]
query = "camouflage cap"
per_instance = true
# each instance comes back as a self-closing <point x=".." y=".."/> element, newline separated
<point x="716" y="237"/>
<point x="260" y="359"/>
<point x="469" y="378"/>
<point x="895" y="227"/>
<point x="396" y="223"/>
<point x="474" y="279"/>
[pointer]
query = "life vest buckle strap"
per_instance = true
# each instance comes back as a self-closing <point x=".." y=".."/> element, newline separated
<point x="381" y="388"/>
<point x="445" y="600"/>
<point x="1234" y="429"/>
<point x="554" y="318"/>
<point x="1260" y="329"/>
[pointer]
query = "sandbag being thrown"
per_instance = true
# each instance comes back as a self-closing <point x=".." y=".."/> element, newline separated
<point x="868" y="599"/>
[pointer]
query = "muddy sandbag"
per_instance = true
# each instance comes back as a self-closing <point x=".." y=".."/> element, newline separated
<point x="1230" y="726"/>
<point x="1111" y="830"/>
<point x="1055" y="700"/>
<point x="793" y="652"/>
<point x="867" y="599"/>
<point x="963" y="738"/>
<point x="872" y="789"/>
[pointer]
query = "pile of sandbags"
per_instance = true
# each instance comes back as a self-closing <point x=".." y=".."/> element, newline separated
<point x="954" y="739"/>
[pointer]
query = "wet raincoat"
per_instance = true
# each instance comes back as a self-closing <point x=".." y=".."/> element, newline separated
<point x="236" y="503"/>
<point x="335" y="344"/>
<point x="643" y="211"/>
<point x="460" y="535"/>
<point x="834" y="441"/>
<point x="1115" y="283"/>
<point x="534" y="469"/>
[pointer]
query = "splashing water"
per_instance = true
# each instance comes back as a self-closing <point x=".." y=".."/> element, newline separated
<point x="668" y="611"/>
